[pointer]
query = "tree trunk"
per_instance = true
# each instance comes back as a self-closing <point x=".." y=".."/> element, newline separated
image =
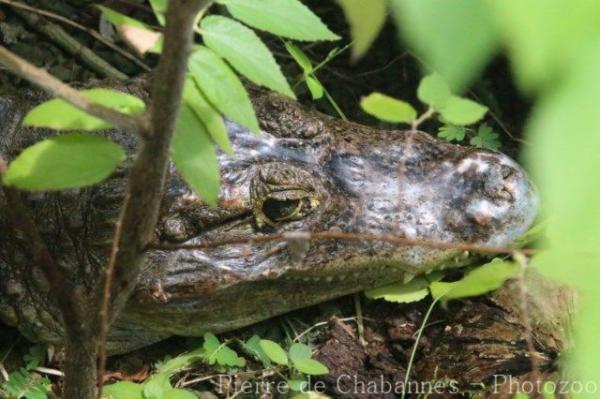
<point x="80" y="368"/>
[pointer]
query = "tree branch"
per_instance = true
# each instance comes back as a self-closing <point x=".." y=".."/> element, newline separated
<point x="55" y="87"/>
<point x="336" y="235"/>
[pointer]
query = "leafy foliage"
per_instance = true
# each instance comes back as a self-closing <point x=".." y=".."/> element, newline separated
<point x="67" y="161"/>
<point x="388" y="108"/>
<point x="60" y="115"/>
<point x="25" y="383"/>
<point x="243" y="49"/>
<point x="452" y="133"/>
<point x="366" y="20"/>
<point x="486" y="138"/>
<point x="286" y="18"/>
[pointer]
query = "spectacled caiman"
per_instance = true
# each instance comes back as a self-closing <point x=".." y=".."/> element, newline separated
<point x="305" y="172"/>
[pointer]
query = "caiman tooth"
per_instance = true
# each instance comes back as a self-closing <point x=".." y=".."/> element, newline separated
<point x="408" y="277"/>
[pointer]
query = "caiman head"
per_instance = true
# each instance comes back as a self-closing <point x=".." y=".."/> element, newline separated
<point x="310" y="172"/>
<point x="305" y="172"/>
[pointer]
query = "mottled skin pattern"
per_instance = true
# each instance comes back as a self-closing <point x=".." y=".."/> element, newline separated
<point x="307" y="172"/>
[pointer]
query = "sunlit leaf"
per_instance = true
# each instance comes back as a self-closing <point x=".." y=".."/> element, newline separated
<point x="388" y="108"/>
<point x="434" y="91"/>
<point x="315" y="87"/>
<point x="274" y="351"/>
<point x="477" y="282"/>
<point x="210" y="117"/>
<point x="299" y="56"/>
<point x="160" y="8"/>
<point x="157" y="386"/>
<point x="399" y="292"/>
<point x="456" y="38"/>
<point x="244" y="50"/>
<point x="66" y="161"/>
<point x="194" y="155"/>
<point x="311" y="367"/>
<point x="287" y="18"/>
<point x="222" y="87"/>
<point x="462" y="111"/>
<point x="118" y="19"/>
<point x="123" y="390"/>
<point x="59" y="114"/>
<point x="366" y="18"/>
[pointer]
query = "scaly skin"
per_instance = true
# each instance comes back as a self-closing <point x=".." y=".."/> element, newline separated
<point x="307" y="172"/>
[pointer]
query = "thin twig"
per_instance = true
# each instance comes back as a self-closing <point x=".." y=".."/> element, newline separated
<point x="96" y="35"/>
<point x="54" y="86"/>
<point x="426" y="115"/>
<point x="103" y="314"/>
<point x="336" y="235"/>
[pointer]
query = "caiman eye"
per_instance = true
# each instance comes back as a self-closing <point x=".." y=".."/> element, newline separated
<point x="284" y="206"/>
<point x="277" y="210"/>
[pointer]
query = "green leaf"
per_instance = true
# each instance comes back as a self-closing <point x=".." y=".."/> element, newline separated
<point x="479" y="281"/>
<point x="160" y="8"/>
<point x="123" y="390"/>
<point x="244" y="50"/>
<point x="456" y="38"/>
<point x="452" y="133"/>
<point x="210" y="117"/>
<point x="299" y="351"/>
<point x="194" y="156"/>
<point x="222" y="87"/>
<point x="157" y="386"/>
<point x="118" y="19"/>
<point x="35" y="356"/>
<point x="253" y="345"/>
<point x="274" y="351"/>
<point x="299" y="56"/>
<point x="179" y="394"/>
<point x="462" y="111"/>
<point x="434" y="91"/>
<point x="287" y="18"/>
<point x="399" y="292"/>
<point x="311" y="367"/>
<point x="486" y="138"/>
<point x="315" y="87"/>
<point x="180" y="362"/>
<point x="228" y="357"/>
<point x="59" y="114"/>
<point x="388" y="108"/>
<point x="366" y="18"/>
<point x="61" y="162"/>
<point x="298" y="385"/>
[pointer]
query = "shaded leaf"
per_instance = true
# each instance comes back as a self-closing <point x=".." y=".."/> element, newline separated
<point x="452" y="133"/>
<point x="194" y="156"/>
<point x="477" y="282"/>
<point x="311" y="367"/>
<point x="486" y="138"/>
<point x="253" y="345"/>
<point x="274" y="351"/>
<point x="298" y="385"/>
<point x="287" y="18"/>
<point x="434" y="91"/>
<point x="457" y="38"/>
<point x="366" y="18"/>
<point x="299" y="351"/>
<point x="222" y="87"/>
<point x="61" y="162"/>
<point x="210" y="117"/>
<point x="388" y="108"/>
<point x="462" y="111"/>
<point x="244" y="50"/>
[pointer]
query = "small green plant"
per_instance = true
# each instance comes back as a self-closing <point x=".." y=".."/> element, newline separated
<point x="453" y="111"/>
<point x="26" y="383"/>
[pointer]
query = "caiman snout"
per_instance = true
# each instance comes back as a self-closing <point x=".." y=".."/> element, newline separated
<point x="506" y="202"/>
